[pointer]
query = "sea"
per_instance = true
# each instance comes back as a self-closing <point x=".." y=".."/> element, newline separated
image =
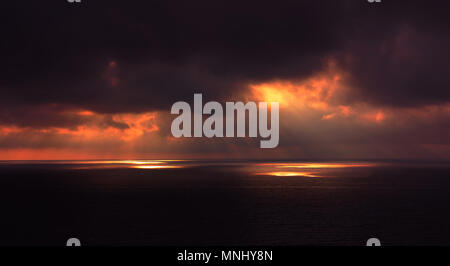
<point x="224" y="203"/>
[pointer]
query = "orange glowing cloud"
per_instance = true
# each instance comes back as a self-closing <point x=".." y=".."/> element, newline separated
<point x="139" y="124"/>
<point x="377" y="116"/>
<point x="316" y="115"/>
<point x="136" y="125"/>
<point x="312" y="93"/>
<point x="8" y="130"/>
<point x="95" y="133"/>
<point x="322" y="94"/>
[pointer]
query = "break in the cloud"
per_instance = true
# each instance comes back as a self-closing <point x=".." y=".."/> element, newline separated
<point x="354" y="80"/>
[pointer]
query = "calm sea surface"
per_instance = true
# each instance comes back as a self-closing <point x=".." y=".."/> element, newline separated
<point x="157" y="202"/>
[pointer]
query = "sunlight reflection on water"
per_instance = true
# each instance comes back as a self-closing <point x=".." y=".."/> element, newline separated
<point x="137" y="164"/>
<point x="303" y="169"/>
<point x="274" y="168"/>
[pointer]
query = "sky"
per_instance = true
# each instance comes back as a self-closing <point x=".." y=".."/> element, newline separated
<point x="97" y="79"/>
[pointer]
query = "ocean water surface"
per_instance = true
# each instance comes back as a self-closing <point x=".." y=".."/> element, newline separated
<point x="199" y="203"/>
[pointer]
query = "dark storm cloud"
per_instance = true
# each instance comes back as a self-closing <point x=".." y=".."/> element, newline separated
<point x="117" y="56"/>
<point x="42" y="117"/>
<point x="403" y="66"/>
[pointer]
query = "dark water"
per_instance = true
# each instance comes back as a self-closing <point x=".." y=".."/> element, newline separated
<point x="221" y="203"/>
